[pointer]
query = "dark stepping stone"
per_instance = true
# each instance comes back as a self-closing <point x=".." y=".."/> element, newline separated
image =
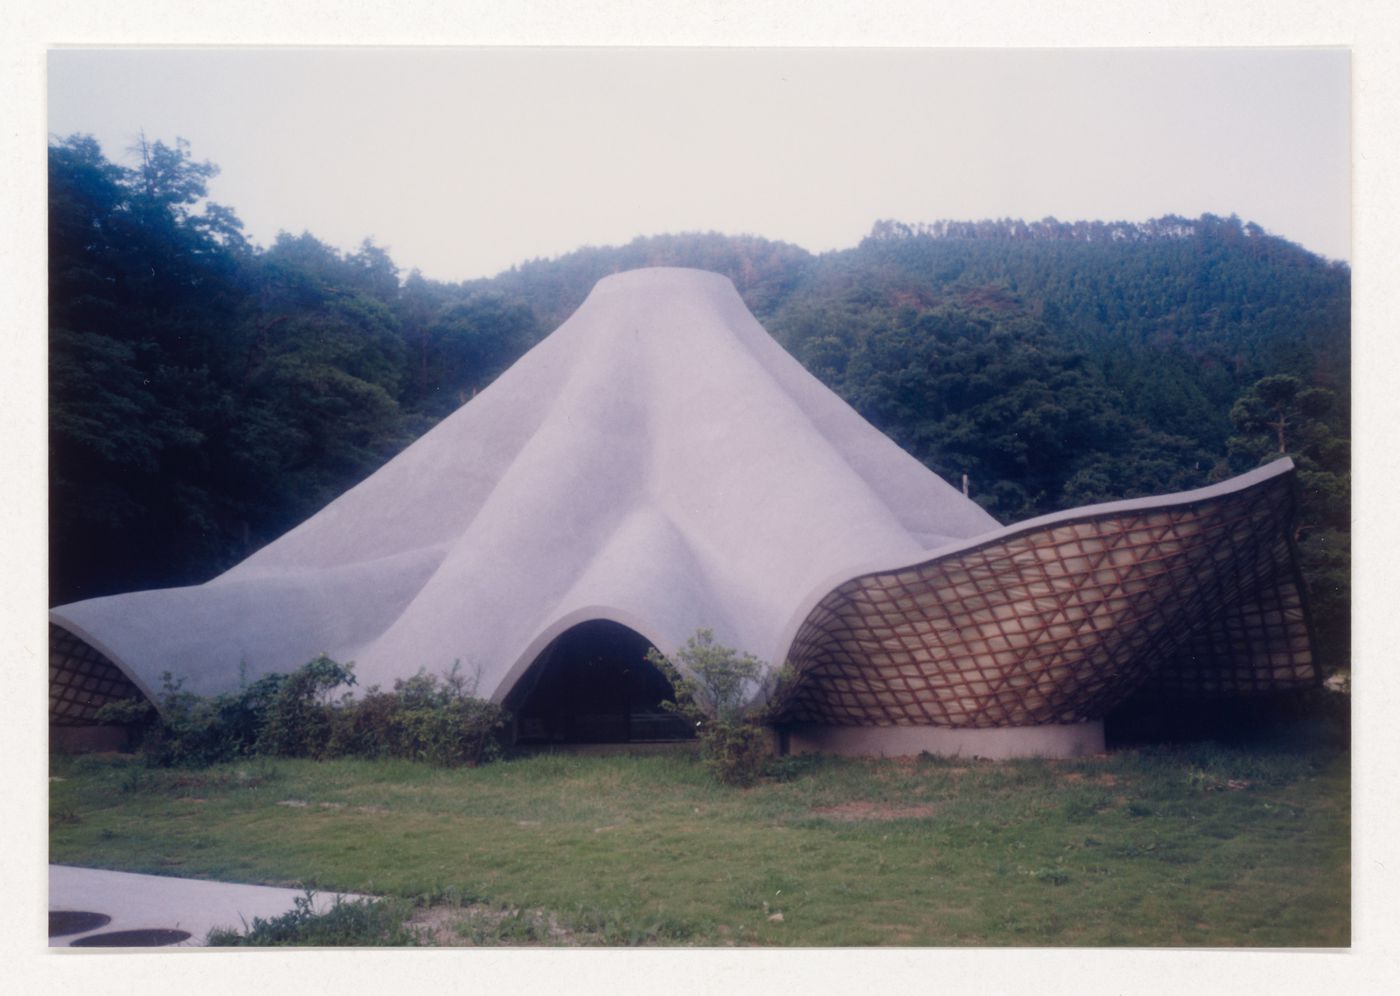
<point x="65" y="922"/>
<point x="149" y="937"/>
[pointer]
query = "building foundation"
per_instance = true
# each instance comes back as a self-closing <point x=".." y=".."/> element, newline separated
<point x="996" y="743"/>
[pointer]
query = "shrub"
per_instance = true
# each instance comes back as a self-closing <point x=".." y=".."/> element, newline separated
<point x="135" y="713"/>
<point x="364" y="727"/>
<point x="735" y="752"/>
<point x="297" y="721"/>
<point x="425" y="718"/>
<point x="714" y="687"/>
<point x="195" y="730"/>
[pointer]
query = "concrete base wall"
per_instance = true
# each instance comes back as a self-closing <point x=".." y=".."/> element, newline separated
<point x="898" y="741"/>
<point x="88" y="739"/>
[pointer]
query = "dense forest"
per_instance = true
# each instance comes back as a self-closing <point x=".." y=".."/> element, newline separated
<point x="207" y="394"/>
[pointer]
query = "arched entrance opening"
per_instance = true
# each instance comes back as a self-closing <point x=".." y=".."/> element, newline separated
<point x="593" y="684"/>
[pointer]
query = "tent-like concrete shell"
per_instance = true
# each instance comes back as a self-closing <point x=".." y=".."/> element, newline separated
<point x="658" y="460"/>
<point x="661" y="462"/>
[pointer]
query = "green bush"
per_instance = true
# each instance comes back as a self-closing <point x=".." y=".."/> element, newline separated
<point x="714" y="686"/>
<point x="197" y="730"/>
<point x="134" y="713"/>
<point x="425" y="718"/>
<point x="735" y="752"/>
<point x="298" y="719"/>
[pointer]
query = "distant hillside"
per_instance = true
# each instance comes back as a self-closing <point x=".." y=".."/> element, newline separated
<point x="1166" y="322"/>
<point x="766" y="273"/>
<point x="1178" y="316"/>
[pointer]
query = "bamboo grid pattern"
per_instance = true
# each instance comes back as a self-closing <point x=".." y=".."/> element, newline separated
<point x="1061" y="623"/>
<point x="1249" y="648"/>
<point x="81" y="680"/>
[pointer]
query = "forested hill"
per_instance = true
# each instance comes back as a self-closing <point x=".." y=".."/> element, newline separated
<point x="208" y="394"/>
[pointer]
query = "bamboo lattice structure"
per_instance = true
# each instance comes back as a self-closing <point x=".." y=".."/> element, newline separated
<point x="82" y="680"/>
<point x="1059" y="622"/>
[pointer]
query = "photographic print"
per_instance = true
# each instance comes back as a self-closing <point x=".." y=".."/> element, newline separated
<point x="700" y="497"/>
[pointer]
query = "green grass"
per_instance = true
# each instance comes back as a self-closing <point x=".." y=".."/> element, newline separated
<point x="1194" y="845"/>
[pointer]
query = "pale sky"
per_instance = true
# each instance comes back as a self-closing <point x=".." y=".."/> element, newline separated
<point x="462" y="162"/>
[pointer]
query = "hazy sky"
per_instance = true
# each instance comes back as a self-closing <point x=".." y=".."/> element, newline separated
<point x="462" y="161"/>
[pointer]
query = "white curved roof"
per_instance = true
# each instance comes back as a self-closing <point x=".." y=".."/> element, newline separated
<point x="658" y="460"/>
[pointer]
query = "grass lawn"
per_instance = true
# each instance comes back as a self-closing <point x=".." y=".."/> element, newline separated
<point x="1199" y="845"/>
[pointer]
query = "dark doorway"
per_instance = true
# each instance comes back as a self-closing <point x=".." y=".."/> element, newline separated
<point x="594" y="685"/>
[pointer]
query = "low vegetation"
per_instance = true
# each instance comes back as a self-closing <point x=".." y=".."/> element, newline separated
<point x="1197" y="844"/>
<point x="424" y="718"/>
<point x="351" y="923"/>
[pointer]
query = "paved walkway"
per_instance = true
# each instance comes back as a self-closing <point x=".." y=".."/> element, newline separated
<point x="155" y="902"/>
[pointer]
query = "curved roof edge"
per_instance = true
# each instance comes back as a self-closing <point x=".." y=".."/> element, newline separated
<point x="518" y="668"/>
<point x="1234" y="485"/>
<point x="588" y="613"/>
<point x="57" y="618"/>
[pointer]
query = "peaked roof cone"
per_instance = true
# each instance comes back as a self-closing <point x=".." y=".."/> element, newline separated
<point x="659" y="461"/>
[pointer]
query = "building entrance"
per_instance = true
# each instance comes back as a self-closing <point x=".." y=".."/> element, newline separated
<point x="593" y="684"/>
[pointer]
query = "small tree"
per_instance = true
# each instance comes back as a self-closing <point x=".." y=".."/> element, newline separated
<point x="714" y="686"/>
<point x="1288" y="415"/>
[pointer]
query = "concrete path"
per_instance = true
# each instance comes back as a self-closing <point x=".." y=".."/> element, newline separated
<point x="155" y="902"/>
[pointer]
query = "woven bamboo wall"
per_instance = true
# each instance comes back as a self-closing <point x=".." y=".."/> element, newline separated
<point x="1059" y="624"/>
<point x="1249" y="648"/>
<point x="81" y="680"/>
